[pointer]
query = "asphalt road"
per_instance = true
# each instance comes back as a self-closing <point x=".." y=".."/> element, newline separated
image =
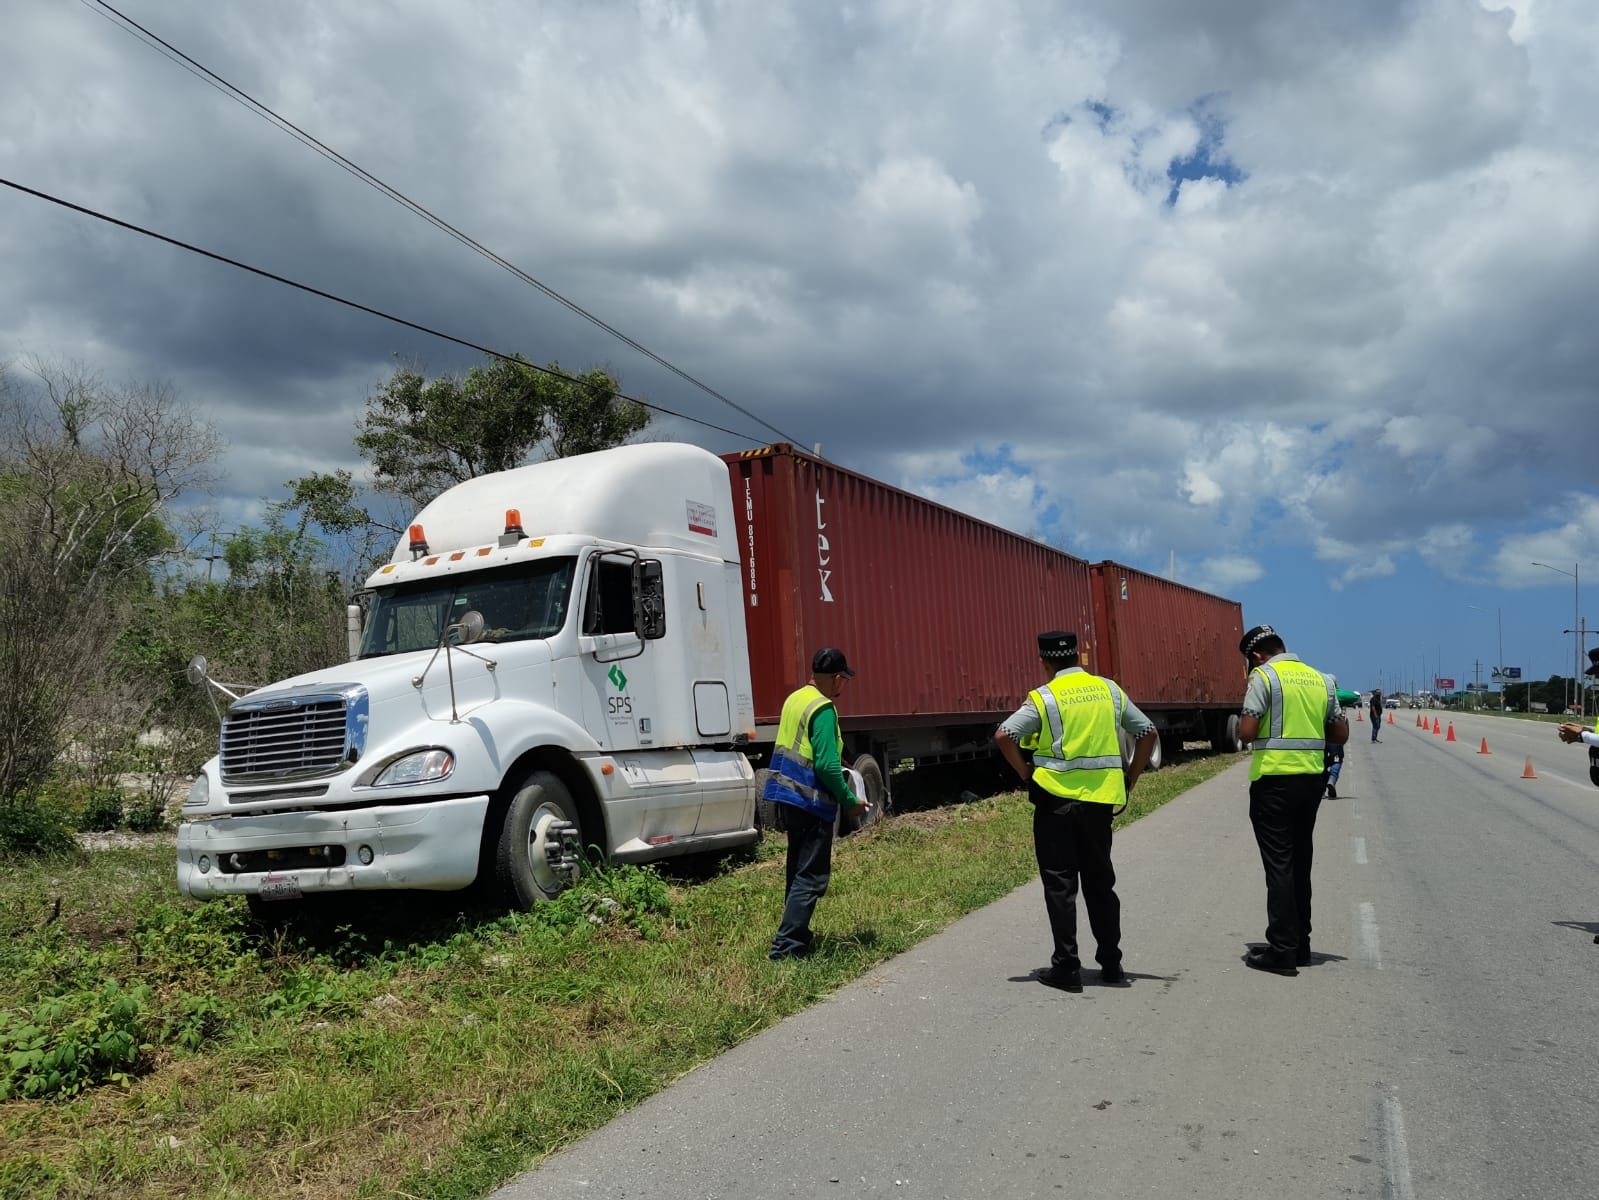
<point x="1442" y="1044"/>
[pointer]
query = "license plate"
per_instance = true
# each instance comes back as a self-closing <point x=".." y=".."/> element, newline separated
<point x="280" y="887"/>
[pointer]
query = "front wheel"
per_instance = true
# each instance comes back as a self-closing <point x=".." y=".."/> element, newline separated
<point x="534" y="858"/>
<point x="853" y="820"/>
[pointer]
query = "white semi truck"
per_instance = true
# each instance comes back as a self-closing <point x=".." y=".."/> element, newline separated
<point x="592" y="654"/>
<point x="553" y="659"/>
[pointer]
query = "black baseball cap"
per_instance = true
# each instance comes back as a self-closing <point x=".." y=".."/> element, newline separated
<point x="830" y="660"/>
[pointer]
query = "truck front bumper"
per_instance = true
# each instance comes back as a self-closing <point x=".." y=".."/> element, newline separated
<point x="431" y="846"/>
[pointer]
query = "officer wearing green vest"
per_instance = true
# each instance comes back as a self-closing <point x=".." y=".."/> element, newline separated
<point x="807" y="783"/>
<point x="1077" y="784"/>
<point x="1290" y="716"/>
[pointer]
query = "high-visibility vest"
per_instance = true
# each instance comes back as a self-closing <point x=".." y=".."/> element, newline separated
<point x="1079" y="754"/>
<point x="1293" y="735"/>
<point x="792" y="779"/>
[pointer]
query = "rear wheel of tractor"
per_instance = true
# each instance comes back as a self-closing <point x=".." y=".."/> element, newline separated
<point x="521" y="865"/>
<point x="853" y="820"/>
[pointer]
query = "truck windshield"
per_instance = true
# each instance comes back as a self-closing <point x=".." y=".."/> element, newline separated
<point x="518" y="602"/>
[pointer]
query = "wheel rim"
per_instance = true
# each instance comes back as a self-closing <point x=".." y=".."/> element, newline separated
<point x="545" y="879"/>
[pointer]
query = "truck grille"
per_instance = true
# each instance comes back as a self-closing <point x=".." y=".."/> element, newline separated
<point x="292" y="737"/>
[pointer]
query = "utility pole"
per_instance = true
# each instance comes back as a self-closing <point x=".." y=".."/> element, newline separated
<point x="1581" y="698"/>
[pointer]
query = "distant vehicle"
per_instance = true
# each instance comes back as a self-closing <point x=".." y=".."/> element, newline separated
<point x="1391" y="704"/>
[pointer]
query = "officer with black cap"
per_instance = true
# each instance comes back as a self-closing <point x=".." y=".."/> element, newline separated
<point x="1290" y="716"/>
<point x="1077" y="783"/>
<point x="807" y="784"/>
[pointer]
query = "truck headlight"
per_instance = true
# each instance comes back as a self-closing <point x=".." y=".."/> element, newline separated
<point x="420" y="766"/>
<point x="199" y="792"/>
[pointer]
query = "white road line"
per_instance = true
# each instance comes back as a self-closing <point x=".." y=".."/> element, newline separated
<point x="1396" y="1153"/>
<point x="1360" y="851"/>
<point x="1354" y="810"/>
<point x="1369" y="952"/>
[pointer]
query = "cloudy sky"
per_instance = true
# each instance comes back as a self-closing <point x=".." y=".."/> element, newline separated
<point x="1301" y="294"/>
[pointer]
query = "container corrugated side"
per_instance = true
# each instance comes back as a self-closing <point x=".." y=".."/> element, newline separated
<point x="937" y="611"/>
<point x="1167" y="644"/>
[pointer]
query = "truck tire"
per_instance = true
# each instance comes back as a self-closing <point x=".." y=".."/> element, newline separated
<point x="765" y="810"/>
<point x="1157" y="756"/>
<point x="521" y="869"/>
<point x="850" y="821"/>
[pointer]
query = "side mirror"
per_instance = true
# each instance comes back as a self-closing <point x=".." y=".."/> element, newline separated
<point x="468" y="629"/>
<point x="649" y="599"/>
<point x="196" y="670"/>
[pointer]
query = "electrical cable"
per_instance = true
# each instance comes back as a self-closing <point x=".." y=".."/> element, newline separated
<point x="155" y="42"/>
<point x="359" y="307"/>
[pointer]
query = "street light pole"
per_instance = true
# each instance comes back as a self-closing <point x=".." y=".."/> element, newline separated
<point x="1500" y="668"/>
<point x="1576" y="620"/>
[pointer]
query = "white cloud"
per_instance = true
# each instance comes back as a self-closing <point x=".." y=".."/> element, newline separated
<point x="899" y="228"/>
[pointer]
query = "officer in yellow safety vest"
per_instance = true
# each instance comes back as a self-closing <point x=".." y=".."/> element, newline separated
<point x="807" y="784"/>
<point x="1290" y="716"/>
<point x="1077" y="783"/>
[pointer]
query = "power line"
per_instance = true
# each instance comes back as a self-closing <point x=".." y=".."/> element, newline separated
<point x="155" y="42"/>
<point x="376" y="312"/>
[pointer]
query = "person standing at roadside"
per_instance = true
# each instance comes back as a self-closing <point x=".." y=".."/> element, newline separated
<point x="1077" y="784"/>
<point x="1290" y="716"/>
<point x="807" y="784"/>
<point x="1376" y="712"/>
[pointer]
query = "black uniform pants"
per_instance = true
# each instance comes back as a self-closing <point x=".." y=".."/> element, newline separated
<point x="1282" y="808"/>
<point x="1072" y="841"/>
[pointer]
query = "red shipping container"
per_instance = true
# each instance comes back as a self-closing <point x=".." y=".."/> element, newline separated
<point x="937" y="611"/>
<point x="1170" y="646"/>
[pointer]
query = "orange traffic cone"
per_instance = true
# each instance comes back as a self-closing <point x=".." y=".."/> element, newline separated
<point x="1358" y="717"/>
<point x="1390" y="718"/>
<point x="1451" y="736"/>
<point x="1436" y="727"/>
<point x="1421" y="721"/>
<point x="1527" y="772"/>
<point x="1485" y="749"/>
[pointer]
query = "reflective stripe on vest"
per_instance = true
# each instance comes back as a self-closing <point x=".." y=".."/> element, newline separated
<point x="792" y="778"/>
<point x="1295" y="724"/>
<point x="1079" y="749"/>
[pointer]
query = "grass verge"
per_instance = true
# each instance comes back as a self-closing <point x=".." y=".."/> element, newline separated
<point x="422" y="1049"/>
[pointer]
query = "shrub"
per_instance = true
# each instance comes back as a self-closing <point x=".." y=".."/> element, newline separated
<point x="32" y="826"/>
<point x="102" y="811"/>
<point x="146" y="815"/>
<point x="71" y="1042"/>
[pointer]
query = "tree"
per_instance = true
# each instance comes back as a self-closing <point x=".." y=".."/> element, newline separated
<point x="88" y="473"/>
<point x="423" y="435"/>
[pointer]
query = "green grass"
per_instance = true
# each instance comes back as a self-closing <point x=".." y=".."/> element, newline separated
<point x="422" y="1049"/>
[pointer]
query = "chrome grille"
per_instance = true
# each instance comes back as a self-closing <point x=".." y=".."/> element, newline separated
<point x="291" y="737"/>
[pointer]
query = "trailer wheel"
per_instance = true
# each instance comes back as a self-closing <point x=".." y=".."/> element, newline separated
<point x="530" y="859"/>
<point x="1157" y="756"/>
<point x="876" y="795"/>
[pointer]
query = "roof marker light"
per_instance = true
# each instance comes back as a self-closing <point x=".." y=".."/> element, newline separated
<point x="513" y="528"/>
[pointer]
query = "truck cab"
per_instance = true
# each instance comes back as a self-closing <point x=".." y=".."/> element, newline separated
<point x="553" y="662"/>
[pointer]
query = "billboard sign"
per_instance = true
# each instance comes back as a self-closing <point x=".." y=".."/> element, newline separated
<point x="1476" y="687"/>
<point x="1443" y="685"/>
<point x="1506" y="674"/>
